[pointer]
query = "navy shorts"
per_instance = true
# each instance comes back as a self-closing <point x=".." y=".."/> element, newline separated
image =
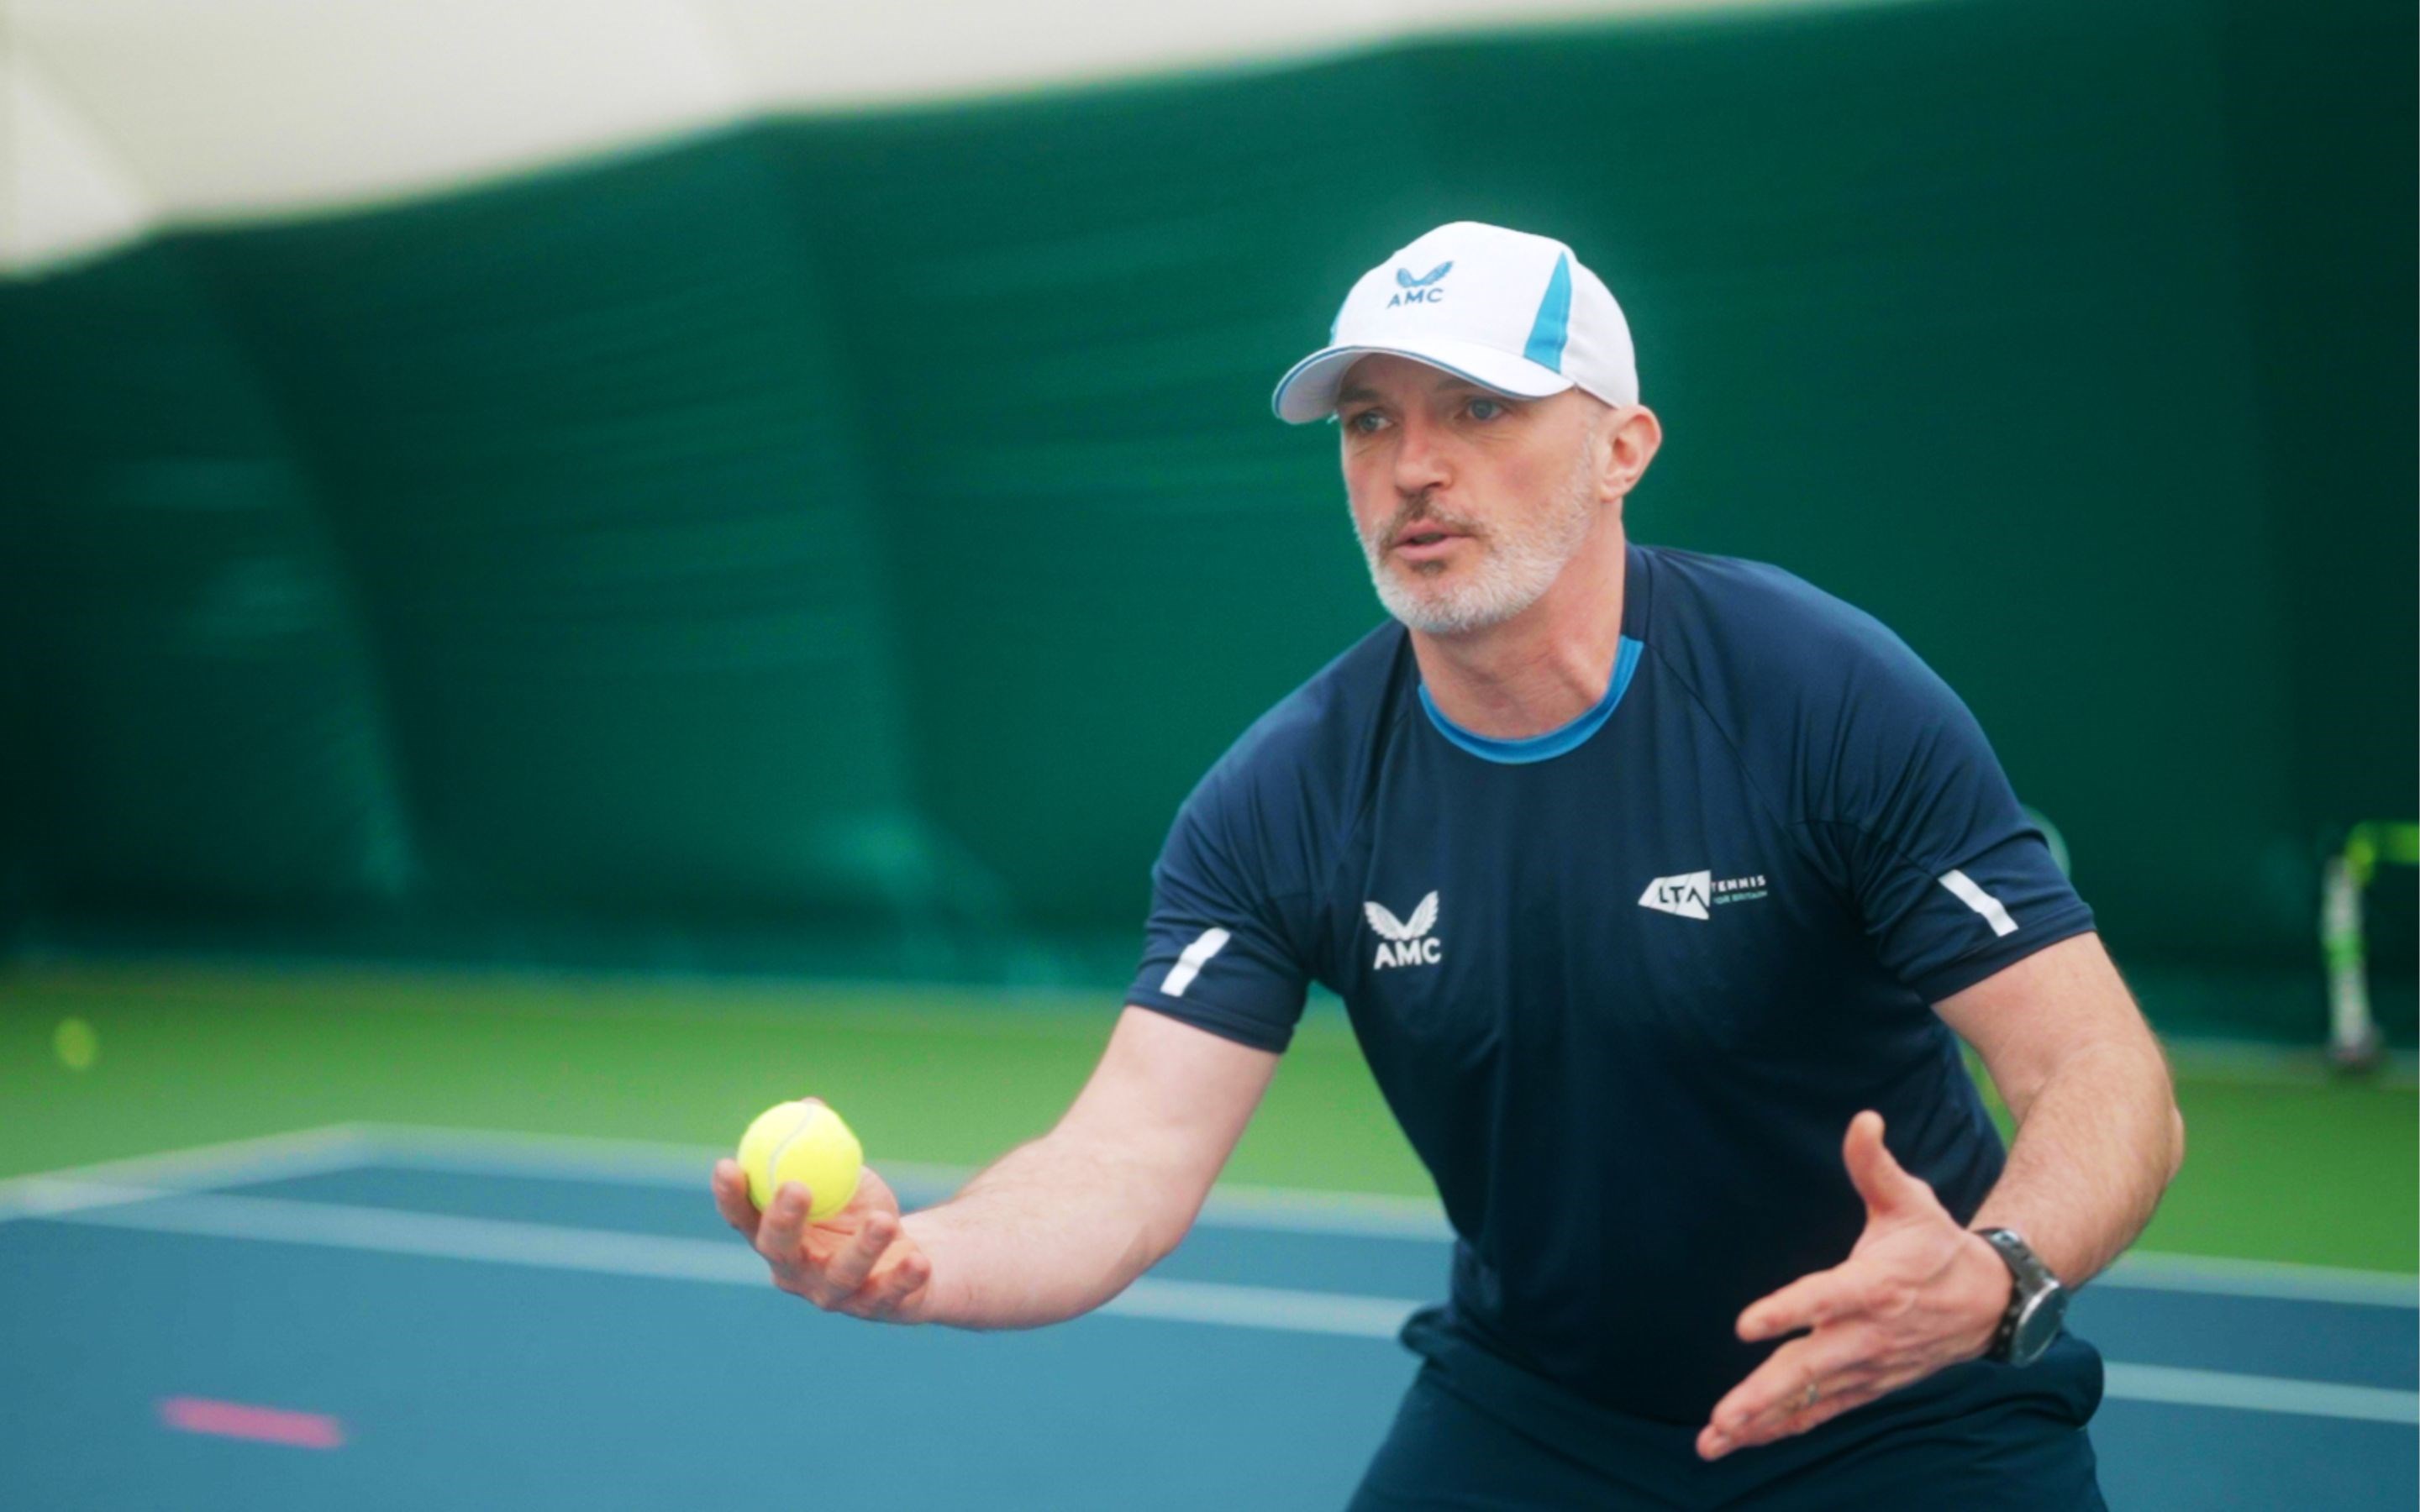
<point x="1476" y="1431"/>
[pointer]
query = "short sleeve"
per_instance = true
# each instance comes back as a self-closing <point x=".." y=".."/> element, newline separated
<point x="1220" y="949"/>
<point x="1952" y="878"/>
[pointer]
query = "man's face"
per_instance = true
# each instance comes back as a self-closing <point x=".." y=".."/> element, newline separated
<point x="1468" y="502"/>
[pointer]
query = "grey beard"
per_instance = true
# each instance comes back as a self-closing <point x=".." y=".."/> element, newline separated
<point x="1514" y="572"/>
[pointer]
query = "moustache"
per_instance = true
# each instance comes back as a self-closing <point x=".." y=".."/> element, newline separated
<point x="1426" y="516"/>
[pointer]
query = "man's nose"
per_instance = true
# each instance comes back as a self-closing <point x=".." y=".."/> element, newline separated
<point x="1421" y="460"/>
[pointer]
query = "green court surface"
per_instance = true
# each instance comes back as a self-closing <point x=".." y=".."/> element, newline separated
<point x="2285" y="1163"/>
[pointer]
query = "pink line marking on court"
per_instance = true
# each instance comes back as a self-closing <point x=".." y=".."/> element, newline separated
<point x="265" y="1425"/>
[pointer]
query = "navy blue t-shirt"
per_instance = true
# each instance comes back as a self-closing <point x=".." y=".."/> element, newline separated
<point x="1625" y="984"/>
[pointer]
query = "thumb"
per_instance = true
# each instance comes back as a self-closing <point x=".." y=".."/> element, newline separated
<point x="1879" y="1179"/>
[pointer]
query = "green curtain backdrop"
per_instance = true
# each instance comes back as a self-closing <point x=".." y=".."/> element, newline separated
<point x="863" y="530"/>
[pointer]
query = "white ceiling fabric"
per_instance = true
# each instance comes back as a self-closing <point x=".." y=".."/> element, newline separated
<point x="124" y="115"/>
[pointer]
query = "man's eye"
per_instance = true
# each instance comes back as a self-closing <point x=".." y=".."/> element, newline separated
<point x="1362" y="423"/>
<point x="1485" y="408"/>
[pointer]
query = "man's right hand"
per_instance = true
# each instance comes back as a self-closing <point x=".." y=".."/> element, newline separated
<point x="860" y="1261"/>
<point x="1053" y="1229"/>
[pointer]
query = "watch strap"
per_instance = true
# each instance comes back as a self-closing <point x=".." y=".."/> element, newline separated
<point x="2028" y="1279"/>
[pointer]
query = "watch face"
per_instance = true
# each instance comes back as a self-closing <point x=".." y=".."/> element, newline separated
<point x="2038" y="1325"/>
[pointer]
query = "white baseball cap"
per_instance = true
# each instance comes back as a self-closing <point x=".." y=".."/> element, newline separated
<point x="1509" y="311"/>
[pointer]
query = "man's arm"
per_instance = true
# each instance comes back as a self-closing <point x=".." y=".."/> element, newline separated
<point x="2098" y="1138"/>
<point x="1055" y="1227"/>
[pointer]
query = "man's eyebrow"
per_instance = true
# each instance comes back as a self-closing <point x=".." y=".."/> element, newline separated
<point x="1356" y="394"/>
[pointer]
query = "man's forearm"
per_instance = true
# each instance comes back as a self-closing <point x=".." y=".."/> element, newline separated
<point x="2095" y="1146"/>
<point x="1051" y="1230"/>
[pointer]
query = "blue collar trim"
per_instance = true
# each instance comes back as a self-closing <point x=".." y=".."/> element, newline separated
<point x="1554" y="742"/>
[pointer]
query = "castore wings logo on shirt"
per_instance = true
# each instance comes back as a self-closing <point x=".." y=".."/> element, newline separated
<point x="1404" y="942"/>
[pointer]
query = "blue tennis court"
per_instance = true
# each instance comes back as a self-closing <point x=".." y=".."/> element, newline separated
<point x="400" y="1317"/>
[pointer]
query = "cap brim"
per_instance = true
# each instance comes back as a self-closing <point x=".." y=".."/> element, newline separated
<point x="1307" y="392"/>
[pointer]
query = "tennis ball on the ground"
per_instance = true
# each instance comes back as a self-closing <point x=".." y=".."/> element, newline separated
<point x="76" y="1044"/>
<point x="805" y="1142"/>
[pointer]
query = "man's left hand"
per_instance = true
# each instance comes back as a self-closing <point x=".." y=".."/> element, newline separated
<point x="1918" y="1292"/>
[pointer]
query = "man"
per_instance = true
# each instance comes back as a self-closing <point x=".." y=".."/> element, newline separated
<point x="1655" y="884"/>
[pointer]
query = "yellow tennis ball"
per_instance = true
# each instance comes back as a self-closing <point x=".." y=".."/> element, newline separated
<point x="76" y="1043"/>
<point x="806" y="1142"/>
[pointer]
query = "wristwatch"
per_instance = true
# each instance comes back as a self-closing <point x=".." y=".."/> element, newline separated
<point x="2037" y="1301"/>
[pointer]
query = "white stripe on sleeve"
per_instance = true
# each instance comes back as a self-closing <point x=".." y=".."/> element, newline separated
<point x="1188" y="966"/>
<point x="1982" y="902"/>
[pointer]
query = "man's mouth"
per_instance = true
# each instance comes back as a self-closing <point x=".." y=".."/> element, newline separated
<point x="1422" y="541"/>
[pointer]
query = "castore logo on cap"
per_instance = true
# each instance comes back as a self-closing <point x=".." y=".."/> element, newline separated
<point x="1419" y="290"/>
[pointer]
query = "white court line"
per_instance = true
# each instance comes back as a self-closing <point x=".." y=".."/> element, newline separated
<point x="1237" y="1306"/>
<point x="560" y="1156"/>
<point x="1287" y="1210"/>
<point x="2147" y="1270"/>
<point x="1264" y="1208"/>
<point x="388" y="1231"/>
<point x="202" y="1168"/>
<point x="608" y="1252"/>
<point x="2260" y="1394"/>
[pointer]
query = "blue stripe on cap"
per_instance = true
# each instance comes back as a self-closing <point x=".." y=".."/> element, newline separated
<point x="1554" y="321"/>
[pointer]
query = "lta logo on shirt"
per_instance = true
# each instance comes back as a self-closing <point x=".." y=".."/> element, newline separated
<point x="1404" y="942"/>
<point x="1691" y="893"/>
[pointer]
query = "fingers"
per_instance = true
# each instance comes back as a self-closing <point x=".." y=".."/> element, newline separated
<point x="1774" y="1401"/>
<point x="1712" y="1444"/>
<point x="1814" y="1395"/>
<point x="1806" y="1381"/>
<point x="1810" y="1302"/>
<point x="895" y="1292"/>
<point x="1879" y="1178"/>
<point x="731" y="1197"/>
<point x="857" y="1261"/>
<point x="1846" y="1398"/>
<point x="782" y="1237"/>
<point x="847" y="1270"/>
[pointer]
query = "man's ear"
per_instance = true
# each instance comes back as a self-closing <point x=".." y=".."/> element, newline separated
<point x="1632" y="437"/>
